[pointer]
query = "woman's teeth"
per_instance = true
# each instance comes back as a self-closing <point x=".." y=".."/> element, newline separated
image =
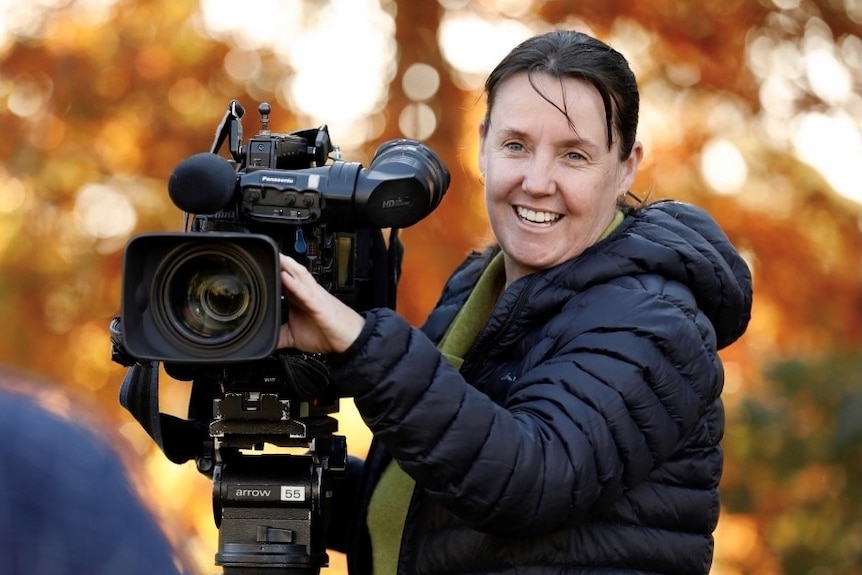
<point x="537" y="217"/>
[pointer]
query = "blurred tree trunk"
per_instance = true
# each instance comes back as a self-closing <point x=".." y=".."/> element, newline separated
<point x="455" y="227"/>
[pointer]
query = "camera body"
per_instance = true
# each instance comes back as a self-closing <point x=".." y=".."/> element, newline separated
<point x="208" y="304"/>
<point x="212" y="294"/>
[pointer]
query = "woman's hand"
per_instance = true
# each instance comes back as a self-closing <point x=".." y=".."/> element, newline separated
<point x="318" y="322"/>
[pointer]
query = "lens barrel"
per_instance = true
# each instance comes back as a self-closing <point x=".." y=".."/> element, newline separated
<point x="201" y="298"/>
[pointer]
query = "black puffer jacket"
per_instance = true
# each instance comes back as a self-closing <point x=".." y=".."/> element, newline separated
<point x="581" y="434"/>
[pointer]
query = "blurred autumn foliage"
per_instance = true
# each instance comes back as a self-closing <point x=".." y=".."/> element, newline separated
<point x="100" y="100"/>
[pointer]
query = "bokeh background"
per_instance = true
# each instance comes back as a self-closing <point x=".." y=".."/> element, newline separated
<point x="750" y="108"/>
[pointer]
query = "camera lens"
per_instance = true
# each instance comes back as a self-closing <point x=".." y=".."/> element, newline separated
<point x="199" y="298"/>
<point x="208" y="297"/>
<point x="215" y="300"/>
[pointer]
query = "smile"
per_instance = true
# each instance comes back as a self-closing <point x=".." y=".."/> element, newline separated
<point x="537" y="217"/>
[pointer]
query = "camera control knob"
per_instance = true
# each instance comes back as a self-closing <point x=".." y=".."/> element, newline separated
<point x="264" y="109"/>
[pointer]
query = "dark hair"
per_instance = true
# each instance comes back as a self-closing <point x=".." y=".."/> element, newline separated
<point x="570" y="54"/>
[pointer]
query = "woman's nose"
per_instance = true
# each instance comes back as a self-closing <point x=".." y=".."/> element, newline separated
<point x="538" y="176"/>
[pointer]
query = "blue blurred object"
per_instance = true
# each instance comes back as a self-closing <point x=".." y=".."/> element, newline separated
<point x="66" y="503"/>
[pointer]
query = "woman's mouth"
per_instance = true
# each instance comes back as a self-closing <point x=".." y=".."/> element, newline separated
<point x="534" y="217"/>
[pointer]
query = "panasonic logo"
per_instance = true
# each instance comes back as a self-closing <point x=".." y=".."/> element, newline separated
<point x="277" y="180"/>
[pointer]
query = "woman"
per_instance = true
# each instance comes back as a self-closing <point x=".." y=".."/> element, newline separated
<point x="559" y="411"/>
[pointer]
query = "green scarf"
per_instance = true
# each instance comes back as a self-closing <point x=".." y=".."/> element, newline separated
<point x="387" y="509"/>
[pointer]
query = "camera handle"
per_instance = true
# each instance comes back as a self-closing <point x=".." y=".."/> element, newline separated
<point x="230" y="127"/>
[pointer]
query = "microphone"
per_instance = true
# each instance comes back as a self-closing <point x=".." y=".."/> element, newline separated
<point x="202" y="184"/>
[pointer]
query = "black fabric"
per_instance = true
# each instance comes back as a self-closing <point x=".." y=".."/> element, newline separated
<point x="180" y="439"/>
<point x="582" y="433"/>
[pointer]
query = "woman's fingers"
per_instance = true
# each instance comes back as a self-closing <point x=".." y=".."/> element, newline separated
<point x="297" y="280"/>
<point x="293" y="268"/>
<point x="318" y="321"/>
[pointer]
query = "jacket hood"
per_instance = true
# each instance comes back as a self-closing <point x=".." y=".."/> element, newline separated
<point x="674" y="240"/>
<point x="682" y="243"/>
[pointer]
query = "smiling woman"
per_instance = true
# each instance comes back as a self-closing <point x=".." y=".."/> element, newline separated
<point x="568" y="375"/>
<point x="552" y="187"/>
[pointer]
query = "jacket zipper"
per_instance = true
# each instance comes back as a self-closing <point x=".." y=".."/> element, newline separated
<point x="510" y="317"/>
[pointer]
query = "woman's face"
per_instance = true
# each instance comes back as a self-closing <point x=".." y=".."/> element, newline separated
<point x="551" y="183"/>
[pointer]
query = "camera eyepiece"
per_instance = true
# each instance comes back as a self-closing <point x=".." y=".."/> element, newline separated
<point x="404" y="183"/>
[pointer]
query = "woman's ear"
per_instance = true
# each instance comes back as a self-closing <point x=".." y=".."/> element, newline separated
<point x="482" y="129"/>
<point x="629" y="168"/>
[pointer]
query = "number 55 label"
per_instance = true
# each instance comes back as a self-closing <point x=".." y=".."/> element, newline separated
<point x="292" y="493"/>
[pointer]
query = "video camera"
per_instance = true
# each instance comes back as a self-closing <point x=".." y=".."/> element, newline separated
<point x="208" y="304"/>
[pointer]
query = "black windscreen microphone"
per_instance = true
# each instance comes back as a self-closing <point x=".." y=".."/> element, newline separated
<point x="202" y="184"/>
